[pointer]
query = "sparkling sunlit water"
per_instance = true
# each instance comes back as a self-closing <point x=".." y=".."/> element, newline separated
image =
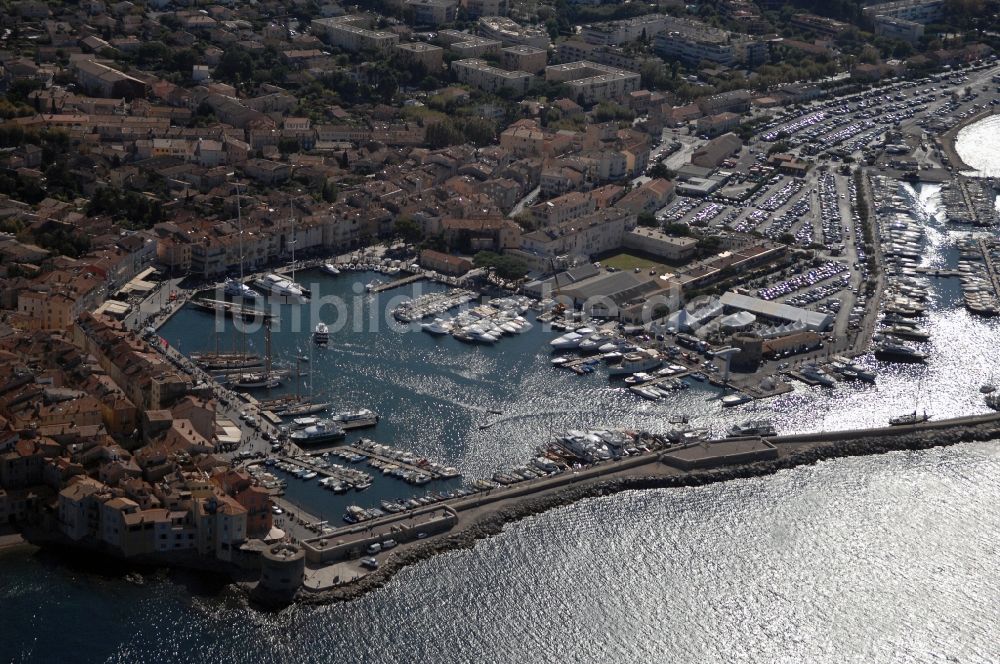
<point x="889" y="558"/>
<point x="979" y="146"/>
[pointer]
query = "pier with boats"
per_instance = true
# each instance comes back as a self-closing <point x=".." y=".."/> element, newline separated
<point x="401" y="464"/>
<point x="433" y="304"/>
<point x="485" y="324"/>
<point x="332" y="476"/>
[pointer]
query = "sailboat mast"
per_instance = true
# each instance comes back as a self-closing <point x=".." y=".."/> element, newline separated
<point x="267" y="348"/>
<point x="291" y="218"/>
<point x="239" y="223"/>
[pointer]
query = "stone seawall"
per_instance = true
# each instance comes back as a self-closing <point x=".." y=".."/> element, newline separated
<point x="493" y="523"/>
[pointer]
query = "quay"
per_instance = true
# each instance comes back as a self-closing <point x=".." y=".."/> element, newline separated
<point x="334" y="573"/>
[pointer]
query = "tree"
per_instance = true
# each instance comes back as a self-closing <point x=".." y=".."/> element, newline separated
<point x="505" y="267"/>
<point x="708" y="244"/>
<point x="443" y="134"/>
<point x="647" y="220"/>
<point x="409" y="230"/>
<point x="677" y="228"/>
<point x="659" y="170"/>
<point x="288" y="145"/>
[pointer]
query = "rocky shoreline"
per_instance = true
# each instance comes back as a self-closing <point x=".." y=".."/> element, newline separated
<point x="492" y="524"/>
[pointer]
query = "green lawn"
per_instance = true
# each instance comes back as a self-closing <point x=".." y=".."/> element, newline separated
<point x="625" y="261"/>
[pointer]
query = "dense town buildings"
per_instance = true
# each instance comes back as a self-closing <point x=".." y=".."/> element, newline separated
<point x="148" y="143"/>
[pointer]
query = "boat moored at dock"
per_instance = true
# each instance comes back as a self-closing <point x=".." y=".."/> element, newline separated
<point x="277" y="285"/>
<point x="322" y="431"/>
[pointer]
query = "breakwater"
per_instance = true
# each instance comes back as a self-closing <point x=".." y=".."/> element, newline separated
<point x="796" y="451"/>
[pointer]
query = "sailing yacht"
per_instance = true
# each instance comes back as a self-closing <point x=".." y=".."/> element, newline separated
<point x="238" y="287"/>
<point x="911" y="418"/>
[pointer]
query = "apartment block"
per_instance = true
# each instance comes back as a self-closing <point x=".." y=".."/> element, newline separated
<point x="466" y="45"/>
<point x="590" y="82"/>
<point x="101" y="80"/>
<point x="432" y="12"/>
<point x="615" y="33"/>
<point x="919" y="11"/>
<point x="344" y="32"/>
<point x="511" y="33"/>
<point x="524" y="58"/>
<point x="478" y="8"/>
<point x="694" y="42"/>
<point x="486" y="77"/>
<point x="573" y="50"/>
<point x="898" y="28"/>
<point x="428" y="55"/>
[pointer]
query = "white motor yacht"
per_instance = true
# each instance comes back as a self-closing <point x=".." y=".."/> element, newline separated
<point x="321" y="432"/>
<point x="481" y="335"/>
<point x="635" y="362"/>
<point x="236" y="288"/>
<point x="731" y="400"/>
<point x="330" y="268"/>
<point x="275" y="284"/>
<point x="814" y="373"/>
<point x="438" y="328"/>
<point x="593" y="343"/>
<point x="568" y="341"/>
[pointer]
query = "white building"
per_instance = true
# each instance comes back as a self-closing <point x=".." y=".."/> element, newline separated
<point x="511" y="33"/>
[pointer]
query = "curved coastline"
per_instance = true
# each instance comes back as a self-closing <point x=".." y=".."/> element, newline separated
<point x="949" y="140"/>
<point x="491" y="523"/>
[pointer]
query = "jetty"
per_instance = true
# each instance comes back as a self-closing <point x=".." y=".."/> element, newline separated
<point x="458" y="522"/>
<point x="368" y="449"/>
<point x="403" y="281"/>
<point x="348" y="475"/>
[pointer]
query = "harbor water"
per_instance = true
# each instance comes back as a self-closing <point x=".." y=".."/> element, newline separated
<point x="888" y="558"/>
<point x="870" y="559"/>
<point x="979" y="146"/>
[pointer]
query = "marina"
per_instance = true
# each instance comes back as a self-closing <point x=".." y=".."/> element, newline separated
<point x="405" y="465"/>
<point x="433" y="304"/>
<point x="332" y="476"/>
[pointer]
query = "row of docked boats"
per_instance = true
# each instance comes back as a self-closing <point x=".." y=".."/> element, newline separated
<point x="432" y="304"/>
<point x="485" y="324"/>
<point x="978" y="291"/>
<point x="388" y="266"/>
<point x="397" y="506"/>
<point x="357" y="514"/>
<point x="406" y="465"/>
<point x="336" y="477"/>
